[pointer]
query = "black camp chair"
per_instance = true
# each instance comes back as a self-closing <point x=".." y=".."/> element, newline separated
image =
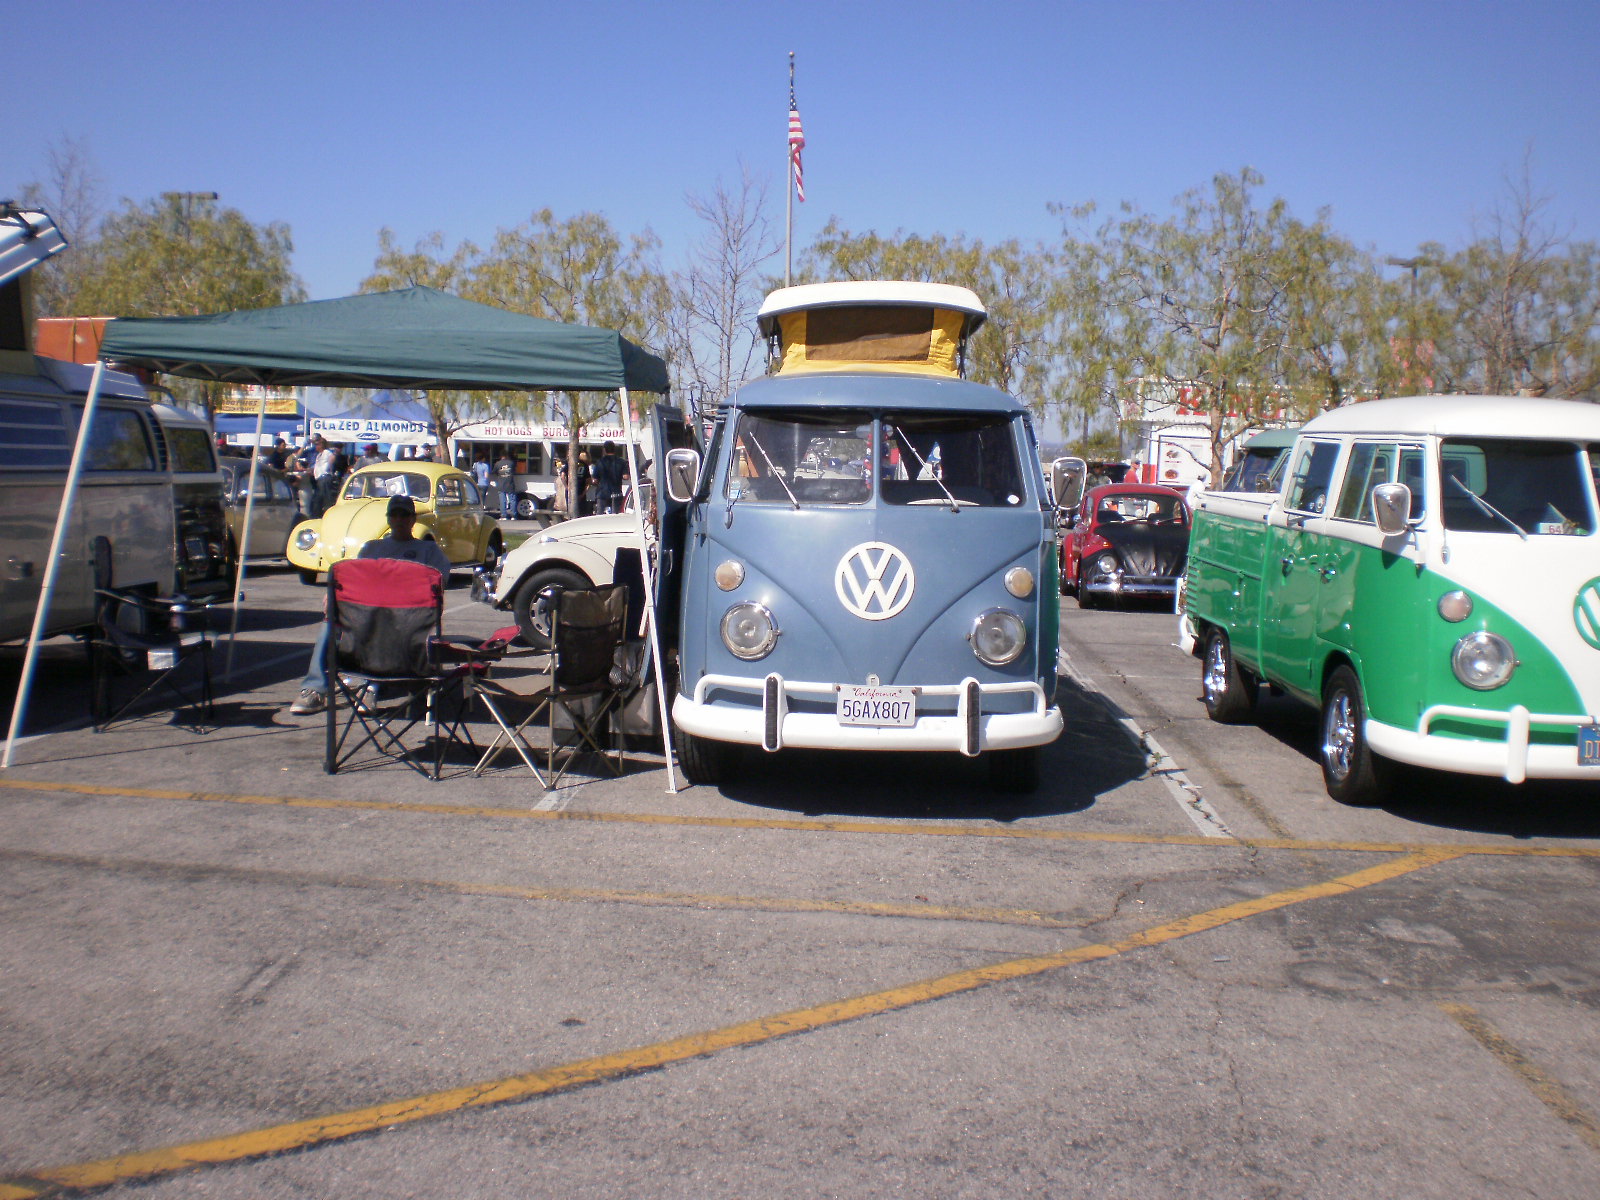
<point x="389" y="666"/>
<point x="589" y="673"/>
<point x="143" y="645"/>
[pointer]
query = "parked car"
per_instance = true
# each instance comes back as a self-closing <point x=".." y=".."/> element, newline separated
<point x="449" y="510"/>
<point x="580" y="553"/>
<point x="1427" y="578"/>
<point x="1259" y="467"/>
<point x="274" y="514"/>
<point x="1125" y="539"/>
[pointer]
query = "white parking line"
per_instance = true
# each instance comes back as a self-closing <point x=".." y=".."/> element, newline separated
<point x="1161" y="764"/>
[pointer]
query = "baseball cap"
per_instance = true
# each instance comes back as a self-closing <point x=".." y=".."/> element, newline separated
<point x="402" y="504"/>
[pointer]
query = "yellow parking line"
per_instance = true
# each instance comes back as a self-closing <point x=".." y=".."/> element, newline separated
<point x="296" y="1135"/>
<point x="1544" y="1086"/>
<point x="796" y="824"/>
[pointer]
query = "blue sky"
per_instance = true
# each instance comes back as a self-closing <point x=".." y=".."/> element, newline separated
<point x="1404" y="119"/>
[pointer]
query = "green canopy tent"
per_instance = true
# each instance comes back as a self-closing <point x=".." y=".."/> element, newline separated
<point x="414" y="338"/>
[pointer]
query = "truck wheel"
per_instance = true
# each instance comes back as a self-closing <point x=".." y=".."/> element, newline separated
<point x="536" y="629"/>
<point x="704" y="761"/>
<point x="1352" y="773"/>
<point x="1228" y="689"/>
<point x="1015" y="771"/>
<point x="309" y="578"/>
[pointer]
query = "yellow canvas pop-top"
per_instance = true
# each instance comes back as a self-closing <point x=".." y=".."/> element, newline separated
<point x="877" y="326"/>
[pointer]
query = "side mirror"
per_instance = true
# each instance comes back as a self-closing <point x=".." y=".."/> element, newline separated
<point x="1391" y="507"/>
<point x="683" y="472"/>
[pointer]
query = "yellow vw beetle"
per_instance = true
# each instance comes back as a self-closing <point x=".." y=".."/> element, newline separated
<point x="449" y="510"/>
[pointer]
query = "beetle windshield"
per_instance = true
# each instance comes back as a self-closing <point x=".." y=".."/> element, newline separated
<point x="1515" y="486"/>
<point x="366" y="485"/>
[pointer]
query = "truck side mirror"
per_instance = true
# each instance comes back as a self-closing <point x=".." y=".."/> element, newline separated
<point x="1391" y="507"/>
<point x="683" y="472"/>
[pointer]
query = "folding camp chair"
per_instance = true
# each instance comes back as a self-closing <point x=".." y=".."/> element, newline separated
<point x="148" y="643"/>
<point x="388" y="664"/>
<point x="588" y="629"/>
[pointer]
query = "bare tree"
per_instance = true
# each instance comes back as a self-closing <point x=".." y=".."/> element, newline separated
<point x="1519" y="307"/>
<point x="712" y="339"/>
<point x="71" y="193"/>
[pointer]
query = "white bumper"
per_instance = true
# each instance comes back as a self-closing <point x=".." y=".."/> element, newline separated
<point x="1515" y="759"/>
<point x="772" y="726"/>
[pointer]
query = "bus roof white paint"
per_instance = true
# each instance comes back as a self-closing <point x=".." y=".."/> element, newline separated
<point x="871" y="291"/>
<point x="1464" y="416"/>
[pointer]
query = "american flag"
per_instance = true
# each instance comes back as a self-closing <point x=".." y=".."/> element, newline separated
<point x="797" y="143"/>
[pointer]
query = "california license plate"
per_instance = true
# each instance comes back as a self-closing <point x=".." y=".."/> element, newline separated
<point x="1589" y="745"/>
<point x="877" y="705"/>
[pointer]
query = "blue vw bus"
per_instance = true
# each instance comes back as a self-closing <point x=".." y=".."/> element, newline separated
<point x="868" y="547"/>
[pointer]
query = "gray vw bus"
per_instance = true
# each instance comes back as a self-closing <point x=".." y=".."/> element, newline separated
<point x="868" y="548"/>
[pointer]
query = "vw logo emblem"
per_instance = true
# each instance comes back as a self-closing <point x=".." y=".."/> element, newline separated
<point x="1586" y="613"/>
<point x="874" y="581"/>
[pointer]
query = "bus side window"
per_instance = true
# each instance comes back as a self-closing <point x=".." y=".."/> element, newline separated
<point x="118" y="442"/>
<point x="1313" y="473"/>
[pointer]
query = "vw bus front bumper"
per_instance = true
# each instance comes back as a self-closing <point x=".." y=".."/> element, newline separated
<point x="767" y="715"/>
<point x="1516" y="758"/>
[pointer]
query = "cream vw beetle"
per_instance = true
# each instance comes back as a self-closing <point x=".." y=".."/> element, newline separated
<point x="1428" y="576"/>
<point x="868" y="549"/>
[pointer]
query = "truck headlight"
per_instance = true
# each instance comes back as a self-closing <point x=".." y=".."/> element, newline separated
<point x="306" y="539"/>
<point x="1483" y="660"/>
<point x="998" y="637"/>
<point x="749" y="631"/>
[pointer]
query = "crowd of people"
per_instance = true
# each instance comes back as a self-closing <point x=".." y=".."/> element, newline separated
<point x="318" y="469"/>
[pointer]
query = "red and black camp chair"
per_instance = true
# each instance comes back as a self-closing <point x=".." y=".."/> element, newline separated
<point x="386" y="674"/>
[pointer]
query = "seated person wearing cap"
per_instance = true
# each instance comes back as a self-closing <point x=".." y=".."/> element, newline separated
<point x="401" y="543"/>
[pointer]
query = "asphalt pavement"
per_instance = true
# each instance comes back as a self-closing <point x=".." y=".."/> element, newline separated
<point x="1177" y="969"/>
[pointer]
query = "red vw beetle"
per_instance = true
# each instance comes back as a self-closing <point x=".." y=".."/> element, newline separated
<point x="1125" y="539"/>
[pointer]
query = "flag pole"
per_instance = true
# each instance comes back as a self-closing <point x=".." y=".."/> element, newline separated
<point x="788" y="191"/>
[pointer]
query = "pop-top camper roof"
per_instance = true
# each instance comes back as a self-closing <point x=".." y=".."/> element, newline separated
<point x="872" y="325"/>
<point x="27" y="238"/>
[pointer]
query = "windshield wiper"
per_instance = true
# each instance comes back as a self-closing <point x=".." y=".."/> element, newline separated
<point x="778" y="475"/>
<point x="1487" y="507"/>
<point x="922" y="465"/>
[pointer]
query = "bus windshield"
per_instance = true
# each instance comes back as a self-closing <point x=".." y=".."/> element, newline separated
<point x="1515" y="486"/>
<point x="824" y="457"/>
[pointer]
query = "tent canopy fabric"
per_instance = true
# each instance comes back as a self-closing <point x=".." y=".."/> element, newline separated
<point x="415" y="338"/>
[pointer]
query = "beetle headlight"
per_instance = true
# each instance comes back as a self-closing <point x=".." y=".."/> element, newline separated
<point x="1106" y="564"/>
<point x="1483" y="660"/>
<point x="306" y="539"/>
<point x="749" y="631"/>
<point x="998" y="637"/>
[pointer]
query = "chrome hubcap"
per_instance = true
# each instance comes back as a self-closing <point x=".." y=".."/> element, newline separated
<point x="1339" y="736"/>
<point x="1216" y="674"/>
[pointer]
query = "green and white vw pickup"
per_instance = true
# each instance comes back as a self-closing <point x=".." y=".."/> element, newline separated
<point x="1428" y="576"/>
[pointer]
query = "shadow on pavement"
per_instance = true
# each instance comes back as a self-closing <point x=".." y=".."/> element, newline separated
<point x="1093" y="755"/>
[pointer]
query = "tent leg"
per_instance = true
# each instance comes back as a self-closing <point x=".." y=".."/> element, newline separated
<point x="244" y="538"/>
<point x="52" y="568"/>
<point x="649" y="586"/>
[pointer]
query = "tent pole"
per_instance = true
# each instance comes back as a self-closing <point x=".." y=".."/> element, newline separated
<point x="47" y="586"/>
<point x="649" y="583"/>
<point x="244" y="538"/>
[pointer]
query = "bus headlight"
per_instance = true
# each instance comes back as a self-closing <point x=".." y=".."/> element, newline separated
<point x="998" y="637"/>
<point x="1483" y="660"/>
<point x="306" y="539"/>
<point x="749" y="631"/>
